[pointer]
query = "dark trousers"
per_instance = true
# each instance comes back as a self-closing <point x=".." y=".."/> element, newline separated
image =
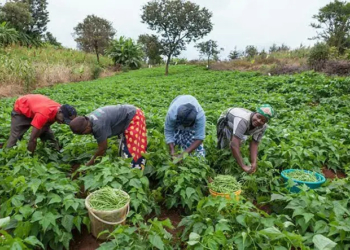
<point x="20" y="124"/>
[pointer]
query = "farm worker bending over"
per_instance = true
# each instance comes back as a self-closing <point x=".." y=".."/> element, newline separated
<point x="105" y="122"/>
<point x="40" y="112"/>
<point x="185" y="125"/>
<point x="235" y="124"/>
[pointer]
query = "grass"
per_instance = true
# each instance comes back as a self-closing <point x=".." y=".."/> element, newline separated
<point x="23" y="69"/>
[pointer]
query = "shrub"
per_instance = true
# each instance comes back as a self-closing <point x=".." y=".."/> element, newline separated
<point x="287" y="69"/>
<point x="318" y="57"/>
<point x="96" y="71"/>
<point x="341" y="68"/>
<point x="251" y="51"/>
<point x="125" y="52"/>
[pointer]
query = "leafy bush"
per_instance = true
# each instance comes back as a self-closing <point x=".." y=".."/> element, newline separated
<point x="318" y="57"/>
<point x="315" y="214"/>
<point x="41" y="202"/>
<point x="7" y="35"/>
<point x="147" y="236"/>
<point x="118" y="174"/>
<point x="219" y="223"/>
<point x="125" y="52"/>
<point x="251" y="51"/>
<point x="96" y="71"/>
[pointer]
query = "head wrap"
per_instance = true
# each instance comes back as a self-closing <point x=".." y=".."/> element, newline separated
<point x="67" y="112"/>
<point x="79" y="124"/>
<point x="266" y="110"/>
<point x="186" y="115"/>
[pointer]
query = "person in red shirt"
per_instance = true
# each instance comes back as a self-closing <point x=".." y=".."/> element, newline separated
<point x="40" y="112"/>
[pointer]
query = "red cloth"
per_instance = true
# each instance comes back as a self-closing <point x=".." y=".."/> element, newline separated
<point x="136" y="135"/>
<point x="41" y="108"/>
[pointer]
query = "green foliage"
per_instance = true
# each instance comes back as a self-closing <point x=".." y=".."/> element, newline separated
<point x="318" y="57"/>
<point x="17" y="15"/>
<point x="41" y="195"/>
<point x="7" y="35"/>
<point x="151" y="48"/>
<point x="178" y="22"/>
<point x="94" y="35"/>
<point x="125" y="52"/>
<point x="332" y="25"/>
<point x="118" y="174"/>
<point x="96" y="71"/>
<point x="40" y="200"/>
<point x="176" y="61"/>
<point x="49" y="38"/>
<point x="320" y="213"/>
<point x="40" y="17"/>
<point x="148" y="236"/>
<point x="273" y="48"/>
<point x="235" y="54"/>
<point x="219" y="223"/>
<point x="208" y="49"/>
<point x="251" y="51"/>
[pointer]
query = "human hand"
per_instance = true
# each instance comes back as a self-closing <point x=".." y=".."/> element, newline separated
<point x="253" y="168"/>
<point x="246" y="168"/>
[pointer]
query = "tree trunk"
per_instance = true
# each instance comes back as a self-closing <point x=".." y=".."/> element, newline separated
<point x="97" y="55"/>
<point x="208" y="61"/>
<point x="167" y="65"/>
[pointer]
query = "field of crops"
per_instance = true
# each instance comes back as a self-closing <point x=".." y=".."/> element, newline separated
<point x="44" y="198"/>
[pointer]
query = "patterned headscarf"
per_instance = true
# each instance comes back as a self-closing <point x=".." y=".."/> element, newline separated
<point x="266" y="110"/>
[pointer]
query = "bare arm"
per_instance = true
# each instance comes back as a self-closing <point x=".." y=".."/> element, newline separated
<point x="236" y="152"/>
<point x="253" y="147"/>
<point x="102" y="147"/>
<point x="32" y="140"/>
<point x="195" y="144"/>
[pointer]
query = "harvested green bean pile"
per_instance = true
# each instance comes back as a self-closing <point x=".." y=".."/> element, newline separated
<point x="226" y="184"/>
<point x="108" y="199"/>
<point x="300" y="175"/>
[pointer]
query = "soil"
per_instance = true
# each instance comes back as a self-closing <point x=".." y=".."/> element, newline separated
<point x="331" y="174"/>
<point x="84" y="240"/>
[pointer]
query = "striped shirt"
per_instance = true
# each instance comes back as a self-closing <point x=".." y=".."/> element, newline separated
<point x="239" y="120"/>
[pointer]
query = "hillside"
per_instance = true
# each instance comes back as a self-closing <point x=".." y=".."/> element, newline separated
<point x="23" y="69"/>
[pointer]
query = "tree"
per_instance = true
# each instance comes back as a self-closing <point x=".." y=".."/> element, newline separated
<point x="333" y="25"/>
<point x="16" y="15"/>
<point x="209" y="48"/>
<point x="179" y="22"/>
<point x="318" y="57"/>
<point x="40" y="16"/>
<point x="283" y="48"/>
<point x="125" y="52"/>
<point x="94" y="35"/>
<point x="49" y="38"/>
<point x="263" y="54"/>
<point x="151" y="48"/>
<point x="7" y="35"/>
<point x="251" y="51"/>
<point x="234" y="54"/>
<point x="273" y="48"/>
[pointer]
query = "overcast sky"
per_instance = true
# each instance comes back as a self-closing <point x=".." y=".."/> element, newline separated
<point x="236" y="22"/>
